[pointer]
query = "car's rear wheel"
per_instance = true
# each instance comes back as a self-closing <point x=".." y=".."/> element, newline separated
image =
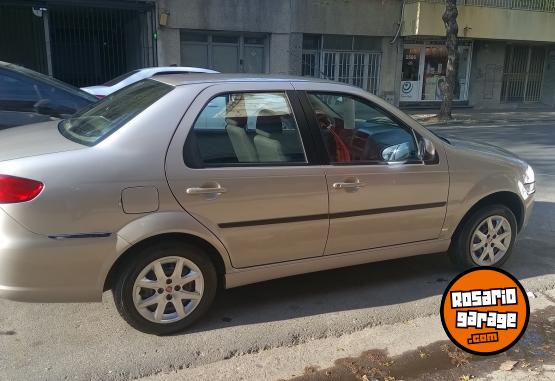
<point x="486" y="238"/>
<point x="163" y="288"/>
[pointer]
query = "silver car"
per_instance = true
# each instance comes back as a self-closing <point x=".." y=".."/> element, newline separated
<point x="177" y="185"/>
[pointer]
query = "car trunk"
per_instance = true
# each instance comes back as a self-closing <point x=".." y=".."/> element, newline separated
<point x="34" y="140"/>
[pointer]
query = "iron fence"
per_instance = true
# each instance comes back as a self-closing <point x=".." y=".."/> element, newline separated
<point x="357" y="68"/>
<point x="526" y="5"/>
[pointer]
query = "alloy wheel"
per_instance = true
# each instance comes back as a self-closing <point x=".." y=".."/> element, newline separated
<point x="168" y="289"/>
<point x="491" y="240"/>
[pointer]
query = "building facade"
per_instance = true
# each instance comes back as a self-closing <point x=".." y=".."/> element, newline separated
<point x="392" y="48"/>
<point x="350" y="41"/>
<point x="506" y="54"/>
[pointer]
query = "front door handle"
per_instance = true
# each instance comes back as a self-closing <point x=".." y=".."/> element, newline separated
<point x="206" y="190"/>
<point x="349" y="185"/>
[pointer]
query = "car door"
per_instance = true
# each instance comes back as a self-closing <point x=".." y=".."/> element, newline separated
<point x="241" y="163"/>
<point x="381" y="191"/>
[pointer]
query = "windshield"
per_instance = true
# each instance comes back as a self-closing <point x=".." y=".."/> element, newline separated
<point x="98" y="121"/>
<point x="120" y="78"/>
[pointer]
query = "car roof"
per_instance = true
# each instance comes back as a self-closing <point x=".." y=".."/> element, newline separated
<point x="188" y="69"/>
<point x="184" y="79"/>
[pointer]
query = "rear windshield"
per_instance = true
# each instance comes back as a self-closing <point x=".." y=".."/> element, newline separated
<point x="96" y="122"/>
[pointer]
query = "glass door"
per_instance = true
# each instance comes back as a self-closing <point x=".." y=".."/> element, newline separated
<point x="435" y="65"/>
<point x="411" y="79"/>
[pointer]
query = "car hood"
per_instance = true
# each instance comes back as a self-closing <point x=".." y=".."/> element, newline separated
<point x="488" y="150"/>
<point x="34" y="140"/>
<point x="481" y="147"/>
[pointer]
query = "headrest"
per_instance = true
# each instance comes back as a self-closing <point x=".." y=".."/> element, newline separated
<point x="269" y="122"/>
<point x="236" y="112"/>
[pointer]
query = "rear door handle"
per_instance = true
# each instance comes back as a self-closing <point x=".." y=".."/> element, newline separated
<point x="348" y="185"/>
<point x="206" y="190"/>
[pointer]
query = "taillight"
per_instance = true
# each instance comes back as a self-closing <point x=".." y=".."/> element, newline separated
<point x="16" y="189"/>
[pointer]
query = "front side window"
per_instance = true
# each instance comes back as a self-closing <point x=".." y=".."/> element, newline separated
<point x="246" y="128"/>
<point x="356" y="132"/>
<point x="101" y="119"/>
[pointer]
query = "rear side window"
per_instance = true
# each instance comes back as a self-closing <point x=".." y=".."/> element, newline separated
<point x="98" y="121"/>
<point x="245" y="129"/>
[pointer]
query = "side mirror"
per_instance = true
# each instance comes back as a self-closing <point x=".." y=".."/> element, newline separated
<point x="428" y="151"/>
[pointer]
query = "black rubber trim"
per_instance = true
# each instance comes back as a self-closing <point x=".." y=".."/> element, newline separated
<point x="314" y="217"/>
<point x="273" y="221"/>
<point x="392" y="209"/>
<point x="80" y="235"/>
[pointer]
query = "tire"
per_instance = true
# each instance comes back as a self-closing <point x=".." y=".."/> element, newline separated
<point x="161" y="316"/>
<point x="461" y="252"/>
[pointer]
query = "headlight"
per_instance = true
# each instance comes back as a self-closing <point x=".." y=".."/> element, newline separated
<point x="529" y="176"/>
<point x="529" y="180"/>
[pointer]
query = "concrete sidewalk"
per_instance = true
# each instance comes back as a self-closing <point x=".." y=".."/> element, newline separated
<point x="472" y="116"/>
<point x="415" y="349"/>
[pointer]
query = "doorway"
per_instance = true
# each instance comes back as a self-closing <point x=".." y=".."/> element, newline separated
<point x="523" y="74"/>
<point x="82" y="45"/>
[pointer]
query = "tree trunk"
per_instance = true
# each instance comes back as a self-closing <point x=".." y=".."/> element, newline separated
<point x="451" y="33"/>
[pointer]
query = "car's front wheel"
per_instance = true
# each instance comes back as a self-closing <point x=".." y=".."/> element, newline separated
<point x="486" y="238"/>
<point x="163" y="288"/>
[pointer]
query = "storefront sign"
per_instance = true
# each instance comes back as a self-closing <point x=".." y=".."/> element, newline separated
<point x="410" y="91"/>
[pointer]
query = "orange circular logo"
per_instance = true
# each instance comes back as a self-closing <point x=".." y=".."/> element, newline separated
<point x="485" y="311"/>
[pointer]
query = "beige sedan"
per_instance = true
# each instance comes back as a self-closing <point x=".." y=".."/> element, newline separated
<point x="177" y="185"/>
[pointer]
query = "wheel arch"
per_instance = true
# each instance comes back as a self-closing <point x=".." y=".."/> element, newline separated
<point x="509" y="199"/>
<point x="206" y="246"/>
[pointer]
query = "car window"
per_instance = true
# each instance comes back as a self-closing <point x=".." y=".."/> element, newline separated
<point x="247" y="128"/>
<point x="354" y="131"/>
<point x="23" y="93"/>
<point x="17" y="88"/>
<point x="49" y="81"/>
<point x="99" y="120"/>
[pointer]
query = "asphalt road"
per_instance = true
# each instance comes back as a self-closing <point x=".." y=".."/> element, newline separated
<point x="90" y="341"/>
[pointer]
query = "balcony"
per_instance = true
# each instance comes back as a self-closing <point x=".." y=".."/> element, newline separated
<point x="517" y="20"/>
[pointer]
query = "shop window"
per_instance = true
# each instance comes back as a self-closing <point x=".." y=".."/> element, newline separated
<point x="424" y="71"/>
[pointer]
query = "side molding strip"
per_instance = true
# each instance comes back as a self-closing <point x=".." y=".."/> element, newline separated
<point x="367" y="212"/>
<point x="80" y="235"/>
